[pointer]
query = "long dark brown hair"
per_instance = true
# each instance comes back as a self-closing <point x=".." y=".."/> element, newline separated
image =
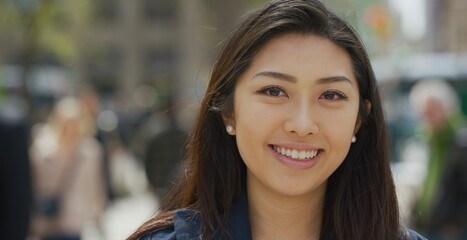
<point x="360" y="201"/>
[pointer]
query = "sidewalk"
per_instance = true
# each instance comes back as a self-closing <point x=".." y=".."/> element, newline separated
<point x="123" y="217"/>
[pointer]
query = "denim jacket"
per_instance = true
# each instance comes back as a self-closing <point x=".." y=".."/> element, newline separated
<point x="187" y="225"/>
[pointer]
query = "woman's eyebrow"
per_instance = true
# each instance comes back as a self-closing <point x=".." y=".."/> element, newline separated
<point x="292" y="79"/>
<point x="277" y="75"/>
<point x="333" y="79"/>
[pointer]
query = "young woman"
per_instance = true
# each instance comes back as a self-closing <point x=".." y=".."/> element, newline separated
<point x="290" y="141"/>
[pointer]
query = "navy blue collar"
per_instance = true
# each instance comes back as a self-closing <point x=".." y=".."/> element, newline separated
<point x="187" y="222"/>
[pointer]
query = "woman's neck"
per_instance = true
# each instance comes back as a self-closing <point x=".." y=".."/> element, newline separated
<point x="275" y="216"/>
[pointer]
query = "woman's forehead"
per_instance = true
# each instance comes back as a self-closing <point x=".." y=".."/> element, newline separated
<point x="299" y="53"/>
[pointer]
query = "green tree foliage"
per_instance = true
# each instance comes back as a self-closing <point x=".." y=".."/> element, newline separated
<point x="44" y="26"/>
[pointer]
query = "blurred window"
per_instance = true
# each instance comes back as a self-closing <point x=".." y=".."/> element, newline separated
<point x="104" y="68"/>
<point x="154" y="10"/>
<point x="161" y="68"/>
<point x="161" y="60"/>
<point x="106" y="10"/>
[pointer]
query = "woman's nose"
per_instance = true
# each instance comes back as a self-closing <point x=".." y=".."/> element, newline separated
<point x="302" y="121"/>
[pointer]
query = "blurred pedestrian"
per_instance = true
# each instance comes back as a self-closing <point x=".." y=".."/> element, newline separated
<point x="15" y="165"/>
<point x="67" y="173"/>
<point x="15" y="180"/>
<point x="165" y="153"/>
<point x="92" y="107"/>
<point x="290" y="141"/>
<point x="441" y="209"/>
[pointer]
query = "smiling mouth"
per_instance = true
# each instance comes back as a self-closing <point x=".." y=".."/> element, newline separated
<point x="296" y="154"/>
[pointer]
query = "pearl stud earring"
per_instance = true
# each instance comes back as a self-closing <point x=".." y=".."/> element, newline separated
<point x="229" y="128"/>
<point x="354" y="139"/>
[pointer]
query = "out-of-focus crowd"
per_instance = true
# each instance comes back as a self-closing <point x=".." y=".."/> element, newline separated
<point x="80" y="173"/>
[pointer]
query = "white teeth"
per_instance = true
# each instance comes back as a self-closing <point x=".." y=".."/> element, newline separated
<point x="296" y="154"/>
<point x="302" y="155"/>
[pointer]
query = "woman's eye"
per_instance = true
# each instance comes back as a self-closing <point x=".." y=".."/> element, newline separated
<point x="273" y="91"/>
<point x="333" y="96"/>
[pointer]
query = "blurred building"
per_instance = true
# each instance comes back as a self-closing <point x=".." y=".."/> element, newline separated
<point x="448" y="25"/>
<point x="121" y="44"/>
<point x="168" y="42"/>
<point x="418" y="25"/>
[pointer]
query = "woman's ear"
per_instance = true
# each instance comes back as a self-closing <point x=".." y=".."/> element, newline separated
<point x="359" y="120"/>
<point x="367" y="106"/>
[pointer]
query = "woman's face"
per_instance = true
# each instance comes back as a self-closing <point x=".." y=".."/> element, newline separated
<point x="295" y="112"/>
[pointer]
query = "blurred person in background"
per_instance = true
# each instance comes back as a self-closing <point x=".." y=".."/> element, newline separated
<point x="15" y="180"/>
<point x="67" y="173"/>
<point x="15" y="167"/>
<point x="441" y="209"/>
<point x="165" y="152"/>
<point x="92" y="108"/>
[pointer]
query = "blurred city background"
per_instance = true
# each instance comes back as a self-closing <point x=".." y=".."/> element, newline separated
<point x="115" y="85"/>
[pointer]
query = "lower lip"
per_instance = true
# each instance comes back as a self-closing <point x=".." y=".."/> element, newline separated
<point x="298" y="164"/>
